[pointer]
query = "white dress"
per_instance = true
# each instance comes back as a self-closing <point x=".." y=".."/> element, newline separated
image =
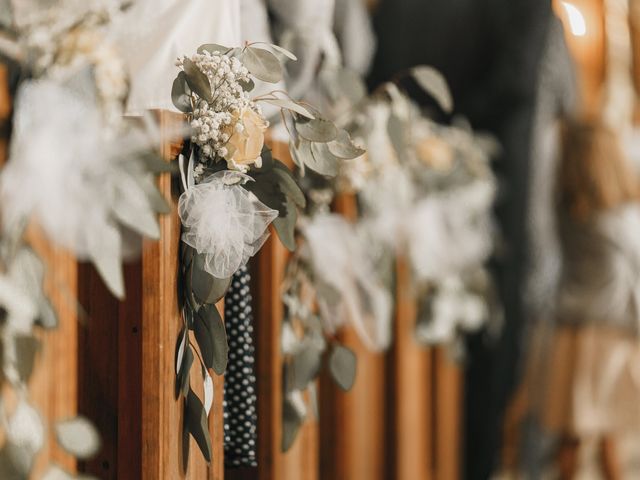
<point x="155" y="32"/>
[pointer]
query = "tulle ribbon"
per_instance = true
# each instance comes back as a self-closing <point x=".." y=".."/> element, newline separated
<point x="224" y="221"/>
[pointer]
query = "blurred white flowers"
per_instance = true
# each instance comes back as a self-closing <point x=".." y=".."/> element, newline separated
<point x="341" y="262"/>
<point x="224" y="221"/>
<point x="79" y="179"/>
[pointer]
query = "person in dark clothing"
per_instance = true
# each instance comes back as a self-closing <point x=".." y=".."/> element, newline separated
<point x="489" y="51"/>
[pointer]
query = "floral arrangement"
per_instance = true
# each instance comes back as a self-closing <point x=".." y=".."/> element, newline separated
<point x="425" y="194"/>
<point x="84" y="190"/>
<point x="233" y="190"/>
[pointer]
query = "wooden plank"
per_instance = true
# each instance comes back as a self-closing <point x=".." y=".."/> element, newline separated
<point x="411" y="390"/>
<point x="301" y="461"/>
<point x="353" y="428"/>
<point x="53" y="386"/>
<point x="98" y="368"/>
<point x="162" y="415"/>
<point x="448" y="409"/>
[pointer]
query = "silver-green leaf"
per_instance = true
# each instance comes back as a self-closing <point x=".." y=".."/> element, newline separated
<point x="343" y="146"/>
<point x="342" y="366"/>
<point x="197" y="81"/>
<point x="289" y="105"/>
<point x="317" y="130"/>
<point x="432" y="82"/>
<point x="79" y="437"/>
<point x="262" y="64"/>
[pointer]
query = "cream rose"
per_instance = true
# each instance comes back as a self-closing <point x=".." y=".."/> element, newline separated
<point x="436" y="153"/>
<point x="245" y="143"/>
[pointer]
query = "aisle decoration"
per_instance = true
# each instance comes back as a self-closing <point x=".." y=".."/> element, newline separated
<point x="430" y="186"/>
<point x="233" y="189"/>
<point x="84" y="177"/>
<point x="425" y="194"/>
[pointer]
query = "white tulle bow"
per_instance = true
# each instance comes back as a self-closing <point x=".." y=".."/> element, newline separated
<point x="224" y="221"/>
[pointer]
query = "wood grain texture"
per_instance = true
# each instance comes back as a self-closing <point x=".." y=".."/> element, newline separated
<point x="447" y="409"/>
<point x="301" y="461"/>
<point x="162" y="415"/>
<point x="411" y="426"/>
<point x="352" y="428"/>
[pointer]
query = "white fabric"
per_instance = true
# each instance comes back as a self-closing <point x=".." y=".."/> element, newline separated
<point x="224" y="221"/>
<point x="355" y="34"/>
<point x="155" y="32"/>
<point x="307" y="30"/>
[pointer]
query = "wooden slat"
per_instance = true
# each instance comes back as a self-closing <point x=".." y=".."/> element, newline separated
<point x="301" y="461"/>
<point x="352" y="427"/>
<point x="54" y="385"/>
<point x="448" y="408"/>
<point x="98" y="368"/>
<point x="162" y="415"/>
<point x="411" y="393"/>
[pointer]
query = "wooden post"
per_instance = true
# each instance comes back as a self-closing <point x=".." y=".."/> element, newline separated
<point x="301" y="461"/>
<point x="411" y="426"/>
<point x="352" y="425"/>
<point x="448" y="416"/>
<point x="162" y="415"/>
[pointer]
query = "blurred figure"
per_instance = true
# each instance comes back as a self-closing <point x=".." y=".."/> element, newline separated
<point x="593" y="375"/>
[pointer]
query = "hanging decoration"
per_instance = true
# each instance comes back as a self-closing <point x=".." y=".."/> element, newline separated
<point x="85" y="177"/>
<point x="233" y="189"/>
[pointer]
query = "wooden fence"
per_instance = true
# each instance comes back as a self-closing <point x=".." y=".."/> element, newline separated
<point x="114" y="362"/>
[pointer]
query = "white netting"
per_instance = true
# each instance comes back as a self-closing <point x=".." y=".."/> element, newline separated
<point x="224" y="221"/>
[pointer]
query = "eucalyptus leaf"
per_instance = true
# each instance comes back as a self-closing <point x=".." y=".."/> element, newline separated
<point x="196" y="419"/>
<point x="288" y="185"/>
<point x="317" y="130"/>
<point x="397" y="134"/>
<point x="182" y="378"/>
<point x="432" y="82"/>
<point x="343" y="146"/>
<point x="154" y="163"/>
<point x="289" y="105"/>
<point x="285" y="226"/>
<point x="182" y="345"/>
<point x="181" y="93"/>
<point x="27" y="348"/>
<point x="206" y="287"/>
<point x="342" y="366"/>
<point x="213" y="48"/>
<point x="305" y="365"/>
<point x="291" y="422"/>
<point x="215" y="325"/>
<point x="197" y="81"/>
<point x="299" y="162"/>
<point x="131" y="207"/>
<point x="157" y="202"/>
<point x="105" y="253"/>
<point x="204" y="338"/>
<point x="317" y="157"/>
<point x="79" y="437"/>
<point x="247" y="86"/>
<point x="262" y="64"/>
<point x="323" y="161"/>
<point x="208" y="391"/>
<point x="284" y="52"/>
